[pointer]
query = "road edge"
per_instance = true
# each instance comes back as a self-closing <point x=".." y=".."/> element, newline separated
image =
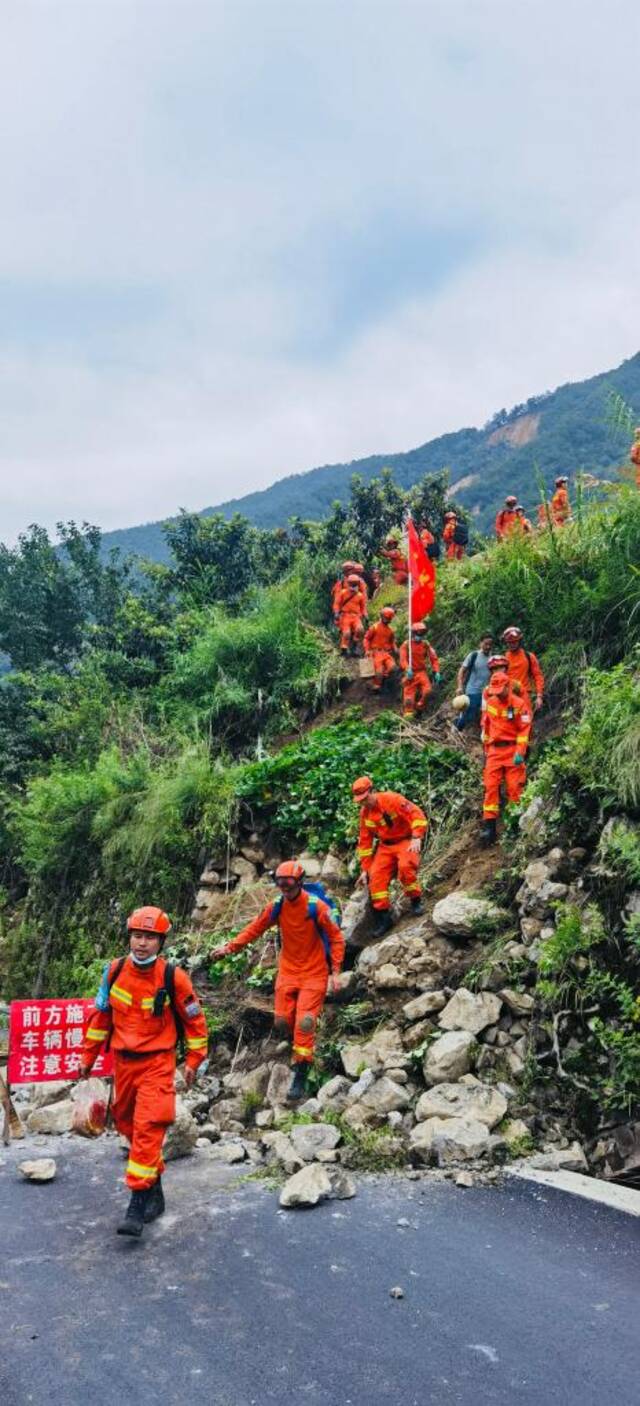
<point x="605" y="1193"/>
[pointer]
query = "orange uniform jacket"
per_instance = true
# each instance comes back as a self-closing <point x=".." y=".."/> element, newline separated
<point x="397" y="559"/>
<point x="380" y="637"/>
<point x="506" y="720"/>
<point x="392" y="818"/>
<point x="427" y="538"/>
<point x="341" y="585"/>
<point x="523" y="668"/>
<point x="524" y="525"/>
<point x="448" y="531"/>
<point x="420" y="652"/>
<point x="302" y="955"/>
<point x="560" y="506"/>
<point x="506" y="520"/>
<point x="130" y="1020"/>
<point x="351" y="603"/>
<point x="634" y="455"/>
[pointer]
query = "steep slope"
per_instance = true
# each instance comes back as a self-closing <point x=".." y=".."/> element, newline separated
<point x="562" y="431"/>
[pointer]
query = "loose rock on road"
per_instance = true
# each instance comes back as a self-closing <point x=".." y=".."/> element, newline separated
<point x="519" y="1294"/>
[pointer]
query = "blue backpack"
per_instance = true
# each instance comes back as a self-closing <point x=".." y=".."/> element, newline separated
<point x="316" y="892"/>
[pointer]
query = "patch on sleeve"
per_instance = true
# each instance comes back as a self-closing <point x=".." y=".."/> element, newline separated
<point x="193" y="1008"/>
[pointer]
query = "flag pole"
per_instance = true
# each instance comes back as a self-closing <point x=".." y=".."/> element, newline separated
<point x="409" y="585"/>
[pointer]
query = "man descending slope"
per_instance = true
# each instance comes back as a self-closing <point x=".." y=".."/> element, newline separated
<point x="523" y="667"/>
<point x="392" y="830"/>
<point x="560" y="505"/>
<point x="397" y="559"/>
<point x="351" y="610"/>
<point x="416" y="685"/>
<point x="311" y="948"/>
<point x="380" y="646"/>
<point x="507" y="518"/>
<point x="140" y="1002"/>
<point x="506" y="725"/>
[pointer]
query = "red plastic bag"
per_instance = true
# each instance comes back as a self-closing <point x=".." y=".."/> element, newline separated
<point x="91" y="1107"/>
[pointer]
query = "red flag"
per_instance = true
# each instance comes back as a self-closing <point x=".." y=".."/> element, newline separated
<point x="422" y="575"/>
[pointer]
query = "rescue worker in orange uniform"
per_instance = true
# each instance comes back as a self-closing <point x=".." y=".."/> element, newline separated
<point x="523" y="667"/>
<point x="634" y="454"/>
<point x="135" y="1016"/>
<point x="311" y="948"/>
<point x="560" y="505"/>
<point x="381" y="647"/>
<point x="416" y="685"/>
<point x="396" y="557"/>
<point x="525" y="527"/>
<point x="507" y="518"/>
<point x="351" y="610"/>
<point x="454" y="550"/>
<point x="392" y="830"/>
<point x="348" y="569"/>
<point x="506" y="725"/>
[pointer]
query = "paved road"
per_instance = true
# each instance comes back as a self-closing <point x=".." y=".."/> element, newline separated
<point x="518" y="1295"/>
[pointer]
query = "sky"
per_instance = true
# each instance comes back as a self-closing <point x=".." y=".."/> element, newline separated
<point x="243" y="238"/>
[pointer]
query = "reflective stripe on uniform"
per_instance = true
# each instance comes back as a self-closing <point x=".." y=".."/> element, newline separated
<point x="135" y="1169"/>
<point x="124" y="996"/>
<point x="300" y="1049"/>
<point x="492" y="808"/>
<point x="198" y="1043"/>
<point x="381" y="893"/>
<point x="94" y="1034"/>
<point x="364" y="853"/>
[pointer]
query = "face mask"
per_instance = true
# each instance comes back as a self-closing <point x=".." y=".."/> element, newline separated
<point x="144" y="961"/>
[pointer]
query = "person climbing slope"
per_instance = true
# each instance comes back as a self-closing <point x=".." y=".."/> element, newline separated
<point x="506" y="726"/>
<point x="392" y="830"/>
<point x="142" y="1002"/>
<point x="455" y="536"/>
<point x="397" y="559"/>
<point x="380" y="646"/>
<point x="351" y="610"/>
<point x="634" y="454"/>
<point x="415" y="662"/>
<point x="507" y="518"/>
<point x="311" y="949"/>
<point x="524" y="526"/>
<point x="560" y="505"/>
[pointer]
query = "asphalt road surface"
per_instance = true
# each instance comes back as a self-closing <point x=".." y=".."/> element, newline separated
<point x="519" y="1295"/>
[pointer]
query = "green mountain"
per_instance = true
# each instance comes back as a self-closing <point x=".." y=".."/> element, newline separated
<point x="561" y="431"/>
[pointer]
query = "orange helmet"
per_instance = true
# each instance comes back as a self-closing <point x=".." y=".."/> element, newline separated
<point x="357" y="566"/>
<point x="361" y="787"/>
<point x="511" y="500"/>
<point x="512" y="632"/>
<point x="391" y="542"/>
<point x="450" y="514"/>
<point x="151" y="920"/>
<point x="353" y="580"/>
<point x="519" y="507"/>
<point x="348" y="566"/>
<point x="562" y="478"/>
<point x="387" y="612"/>
<point x="290" y="872"/>
<point x="498" y="661"/>
<point x="419" y="628"/>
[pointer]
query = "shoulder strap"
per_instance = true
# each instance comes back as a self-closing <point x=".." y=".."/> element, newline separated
<point x="115" y="970"/>
<point x="470" y="666"/>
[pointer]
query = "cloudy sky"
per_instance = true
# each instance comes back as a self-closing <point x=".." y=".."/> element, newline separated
<point x="241" y="238"/>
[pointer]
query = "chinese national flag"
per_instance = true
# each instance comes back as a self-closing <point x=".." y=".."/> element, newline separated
<point x="422" y="576"/>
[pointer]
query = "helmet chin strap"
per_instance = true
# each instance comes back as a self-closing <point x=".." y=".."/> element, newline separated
<point x="144" y="961"/>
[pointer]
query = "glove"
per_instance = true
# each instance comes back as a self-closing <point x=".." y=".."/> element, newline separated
<point x="437" y="678"/>
<point x="518" y="759"/>
<point x="409" y="674"/>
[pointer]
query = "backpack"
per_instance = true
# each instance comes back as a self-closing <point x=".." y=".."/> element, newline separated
<point x="470" y="668"/>
<point x="315" y="892"/>
<point x="434" y="550"/>
<point x="167" y="989"/>
<point x="461" y="534"/>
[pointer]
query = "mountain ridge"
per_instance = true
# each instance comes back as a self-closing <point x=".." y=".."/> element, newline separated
<point x="563" y="430"/>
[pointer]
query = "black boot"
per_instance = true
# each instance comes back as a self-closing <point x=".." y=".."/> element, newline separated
<point x="489" y="833"/>
<point x="298" y="1086"/>
<point x="384" y="923"/>
<point x="133" y="1223"/>
<point x="417" y="906"/>
<point x="155" y="1202"/>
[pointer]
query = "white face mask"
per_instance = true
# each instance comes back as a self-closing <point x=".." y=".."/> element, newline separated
<point x="144" y="961"/>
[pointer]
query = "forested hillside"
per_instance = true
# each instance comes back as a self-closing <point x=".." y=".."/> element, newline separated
<point x="567" y="430"/>
<point x="199" y="720"/>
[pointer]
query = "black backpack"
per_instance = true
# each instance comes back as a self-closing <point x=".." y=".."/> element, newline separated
<point x="434" y="550"/>
<point x="461" y="534"/>
<point x="168" y="989"/>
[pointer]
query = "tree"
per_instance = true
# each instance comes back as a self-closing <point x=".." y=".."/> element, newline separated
<point x="41" y="608"/>
<point x="214" y="558"/>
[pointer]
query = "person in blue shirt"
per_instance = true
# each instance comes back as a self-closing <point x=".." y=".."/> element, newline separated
<point x="473" y="677"/>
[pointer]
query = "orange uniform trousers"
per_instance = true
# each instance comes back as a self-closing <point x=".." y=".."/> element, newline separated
<point x="299" y="1004"/>
<point x="351" y="627"/>
<point x="393" y="860"/>
<point x="499" y="767"/>
<point x="455" y="551"/>
<point x="383" y="664"/>
<point x="415" y="692"/>
<point x="143" y="1107"/>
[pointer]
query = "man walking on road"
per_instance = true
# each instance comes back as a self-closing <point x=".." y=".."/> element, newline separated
<point x="392" y="830"/>
<point x="311" y="949"/>
<point x="142" y="1006"/>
